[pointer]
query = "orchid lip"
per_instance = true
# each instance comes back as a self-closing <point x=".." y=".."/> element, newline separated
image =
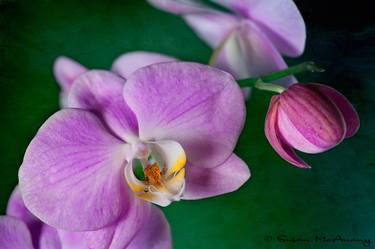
<point x="163" y="168"/>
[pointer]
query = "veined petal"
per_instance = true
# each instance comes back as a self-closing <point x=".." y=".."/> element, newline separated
<point x="346" y="108"/>
<point x="294" y="137"/>
<point x="314" y="118"/>
<point x="224" y="178"/>
<point x="66" y="71"/>
<point x="16" y="208"/>
<point x="280" y="20"/>
<point x="127" y="63"/>
<point x="115" y="236"/>
<point x="200" y="107"/>
<point x="71" y="176"/>
<point x="248" y="52"/>
<point x="155" y="234"/>
<point x="49" y="238"/>
<point x="101" y="92"/>
<point x="14" y="234"/>
<point x="179" y="6"/>
<point x="275" y="139"/>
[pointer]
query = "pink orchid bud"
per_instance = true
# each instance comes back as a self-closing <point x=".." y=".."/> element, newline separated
<point x="311" y="118"/>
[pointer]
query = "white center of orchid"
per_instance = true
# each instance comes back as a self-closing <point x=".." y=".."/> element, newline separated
<point x="162" y="166"/>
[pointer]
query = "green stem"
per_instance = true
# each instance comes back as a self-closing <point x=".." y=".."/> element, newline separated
<point x="300" y="68"/>
<point x="269" y="87"/>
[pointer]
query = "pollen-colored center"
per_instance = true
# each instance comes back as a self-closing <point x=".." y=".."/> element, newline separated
<point x="156" y="171"/>
<point x="153" y="174"/>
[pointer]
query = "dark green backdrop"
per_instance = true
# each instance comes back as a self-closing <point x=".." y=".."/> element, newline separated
<point x="335" y="197"/>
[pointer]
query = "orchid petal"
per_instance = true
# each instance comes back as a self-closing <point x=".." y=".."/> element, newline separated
<point x="294" y="137"/>
<point x="248" y="52"/>
<point x="71" y="176"/>
<point x="173" y="158"/>
<point x="276" y="140"/>
<point x="187" y="103"/>
<point x="49" y="238"/>
<point x="349" y="113"/>
<point x="171" y="153"/>
<point x="224" y="178"/>
<point x="280" y="20"/>
<point x="101" y="92"/>
<point x="115" y="236"/>
<point x="212" y="26"/>
<point x="311" y="116"/>
<point x="16" y="208"/>
<point x="127" y="63"/>
<point x="179" y="6"/>
<point x="155" y="234"/>
<point x="14" y="234"/>
<point x="66" y="71"/>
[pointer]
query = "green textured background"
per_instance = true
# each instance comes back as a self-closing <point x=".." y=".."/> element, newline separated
<point x="335" y="197"/>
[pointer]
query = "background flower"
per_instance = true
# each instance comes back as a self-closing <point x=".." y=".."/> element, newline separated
<point x="249" y="40"/>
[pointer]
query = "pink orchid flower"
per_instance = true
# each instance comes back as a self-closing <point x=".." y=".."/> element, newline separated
<point x="311" y="118"/>
<point x="20" y="229"/>
<point x="180" y="121"/>
<point x="250" y="38"/>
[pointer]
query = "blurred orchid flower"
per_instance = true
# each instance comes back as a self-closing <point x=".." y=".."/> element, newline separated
<point x="136" y="229"/>
<point x="250" y="38"/>
<point x="311" y="118"/>
<point x="176" y="121"/>
<point x="67" y="70"/>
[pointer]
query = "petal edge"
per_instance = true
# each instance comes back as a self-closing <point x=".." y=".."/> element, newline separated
<point x="275" y="139"/>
